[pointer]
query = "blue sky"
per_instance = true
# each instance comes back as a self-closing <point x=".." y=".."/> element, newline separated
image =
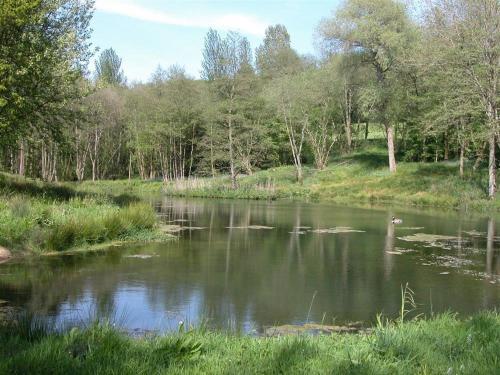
<point x="146" y="33"/>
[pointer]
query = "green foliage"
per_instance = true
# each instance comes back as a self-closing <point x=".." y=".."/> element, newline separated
<point x="108" y="69"/>
<point x="43" y="52"/>
<point x="275" y="56"/>
<point x="428" y="87"/>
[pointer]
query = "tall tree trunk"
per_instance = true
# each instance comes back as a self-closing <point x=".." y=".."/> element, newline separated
<point x="446" y="146"/>
<point x="347" y="115"/>
<point x="43" y="160"/>
<point x="212" y="162"/>
<point x="12" y="161"/>
<point x="388" y="127"/>
<point x="22" y="160"/>
<point x="231" y="142"/>
<point x="492" y="122"/>
<point x="54" y="163"/>
<point x="462" y="152"/>
<point x="231" y="155"/>
<point x="300" y="177"/>
<point x="93" y="170"/>
<point x="366" y="131"/>
<point x="492" y="171"/>
<point x="94" y="158"/>
<point x="130" y="166"/>
<point x="191" y="157"/>
<point x="390" y="148"/>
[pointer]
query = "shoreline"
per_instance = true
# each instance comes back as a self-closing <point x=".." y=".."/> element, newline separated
<point x="348" y="180"/>
<point x="82" y="249"/>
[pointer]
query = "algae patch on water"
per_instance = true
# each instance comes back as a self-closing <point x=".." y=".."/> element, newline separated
<point x="410" y="228"/>
<point x="474" y="233"/>
<point x="437" y="240"/>
<point x="424" y="237"/>
<point x="141" y="256"/>
<point x="454" y="262"/>
<point x="171" y="228"/>
<point x="336" y="230"/>
<point x="174" y="228"/>
<point x="404" y="250"/>
<point x="251" y="227"/>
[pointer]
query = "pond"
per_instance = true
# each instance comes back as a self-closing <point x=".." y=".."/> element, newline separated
<point x="247" y="265"/>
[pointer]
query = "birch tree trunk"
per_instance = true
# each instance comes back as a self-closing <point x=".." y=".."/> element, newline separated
<point x="130" y="166"/>
<point x="390" y="148"/>
<point x="212" y="161"/>
<point x="231" y="141"/>
<point x="22" y="160"/>
<point x="462" y="152"/>
<point x="347" y="115"/>
<point x="492" y="171"/>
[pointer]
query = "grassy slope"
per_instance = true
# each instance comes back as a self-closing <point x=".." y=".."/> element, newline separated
<point x="365" y="177"/>
<point x="442" y="345"/>
<point x="359" y="178"/>
<point x="38" y="217"/>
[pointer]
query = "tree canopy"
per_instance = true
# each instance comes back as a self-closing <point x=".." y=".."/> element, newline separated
<point x="425" y="88"/>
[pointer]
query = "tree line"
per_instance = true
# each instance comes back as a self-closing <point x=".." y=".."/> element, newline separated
<point x="427" y="75"/>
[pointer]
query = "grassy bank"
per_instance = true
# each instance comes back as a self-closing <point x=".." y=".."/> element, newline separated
<point x="362" y="177"/>
<point x="441" y="345"/>
<point x="357" y="178"/>
<point x="36" y="217"/>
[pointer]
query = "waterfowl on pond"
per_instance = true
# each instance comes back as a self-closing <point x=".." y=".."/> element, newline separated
<point x="396" y="221"/>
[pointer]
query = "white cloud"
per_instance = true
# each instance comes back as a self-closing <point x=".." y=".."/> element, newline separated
<point x="239" y="22"/>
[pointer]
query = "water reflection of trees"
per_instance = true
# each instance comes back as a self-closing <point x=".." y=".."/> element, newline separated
<point x="492" y="253"/>
<point x="262" y="276"/>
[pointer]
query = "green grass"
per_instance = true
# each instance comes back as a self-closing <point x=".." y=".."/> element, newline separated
<point x="36" y="217"/>
<point x="362" y="177"/>
<point x="440" y="345"/>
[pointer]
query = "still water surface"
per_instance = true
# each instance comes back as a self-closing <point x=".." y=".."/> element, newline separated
<point x="246" y="265"/>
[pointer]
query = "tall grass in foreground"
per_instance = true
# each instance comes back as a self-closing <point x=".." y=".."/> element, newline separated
<point x="120" y="223"/>
<point x="441" y="345"/>
<point x="39" y="217"/>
